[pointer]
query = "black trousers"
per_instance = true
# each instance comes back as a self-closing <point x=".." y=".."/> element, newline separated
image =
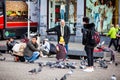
<point x="113" y="41"/>
<point x="89" y="52"/>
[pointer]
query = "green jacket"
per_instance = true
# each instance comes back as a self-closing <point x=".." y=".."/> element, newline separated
<point x="112" y="33"/>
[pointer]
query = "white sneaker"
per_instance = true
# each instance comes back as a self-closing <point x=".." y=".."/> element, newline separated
<point x="44" y="56"/>
<point x="89" y="70"/>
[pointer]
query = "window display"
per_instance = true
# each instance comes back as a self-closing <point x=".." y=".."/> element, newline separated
<point x="63" y="9"/>
<point x="101" y="12"/>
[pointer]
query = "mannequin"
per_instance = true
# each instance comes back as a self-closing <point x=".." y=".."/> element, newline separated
<point x="62" y="10"/>
<point x="71" y="12"/>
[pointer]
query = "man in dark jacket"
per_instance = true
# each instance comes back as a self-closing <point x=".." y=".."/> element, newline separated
<point x="31" y="52"/>
<point x="62" y="30"/>
<point x="88" y="46"/>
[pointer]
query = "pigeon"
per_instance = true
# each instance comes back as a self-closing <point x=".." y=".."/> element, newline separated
<point x="64" y="77"/>
<point x="40" y="64"/>
<point x="70" y="72"/>
<point x="32" y="71"/>
<point x="71" y="65"/>
<point x="113" y="77"/>
<point x="55" y="79"/>
<point x="103" y="64"/>
<point x="35" y="70"/>
<point x="67" y="74"/>
<point x="2" y="59"/>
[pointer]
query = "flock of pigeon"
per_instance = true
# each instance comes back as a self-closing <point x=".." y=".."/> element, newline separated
<point x="62" y="65"/>
<point x="65" y="65"/>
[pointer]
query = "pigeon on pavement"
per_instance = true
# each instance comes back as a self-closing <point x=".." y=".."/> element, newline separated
<point x="35" y="70"/>
<point x="67" y="74"/>
<point x="2" y="59"/>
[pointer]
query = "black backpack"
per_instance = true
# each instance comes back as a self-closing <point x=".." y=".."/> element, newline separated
<point x="85" y="36"/>
<point x="53" y="49"/>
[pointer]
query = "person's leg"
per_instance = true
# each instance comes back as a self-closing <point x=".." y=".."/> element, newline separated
<point x="117" y="42"/>
<point x="62" y="14"/>
<point x="87" y="50"/>
<point x="27" y="58"/>
<point x="66" y="47"/>
<point x="110" y="43"/>
<point x="91" y="57"/>
<point x="34" y="56"/>
<point x="114" y="43"/>
<point x="21" y="58"/>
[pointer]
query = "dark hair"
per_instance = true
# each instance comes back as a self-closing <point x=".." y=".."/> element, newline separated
<point x="35" y="37"/>
<point x="10" y="38"/>
<point x="86" y="19"/>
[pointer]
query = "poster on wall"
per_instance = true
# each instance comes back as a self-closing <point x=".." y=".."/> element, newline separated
<point x="16" y="13"/>
<point x="101" y="13"/>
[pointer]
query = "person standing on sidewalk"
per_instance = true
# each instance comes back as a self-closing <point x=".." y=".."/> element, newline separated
<point x="112" y="34"/>
<point x="62" y="31"/>
<point x="88" y="46"/>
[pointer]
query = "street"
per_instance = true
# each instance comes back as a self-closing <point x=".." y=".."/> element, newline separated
<point x="10" y="70"/>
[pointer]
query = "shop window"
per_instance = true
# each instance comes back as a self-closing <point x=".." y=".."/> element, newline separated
<point x="103" y="13"/>
<point x="62" y="9"/>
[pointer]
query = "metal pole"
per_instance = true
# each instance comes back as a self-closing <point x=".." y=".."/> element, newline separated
<point x="38" y="28"/>
<point x="28" y="19"/>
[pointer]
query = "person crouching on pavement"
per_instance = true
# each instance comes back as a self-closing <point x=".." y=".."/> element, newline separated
<point x="10" y="43"/>
<point x="45" y="47"/>
<point x="31" y="52"/>
<point x="61" y="50"/>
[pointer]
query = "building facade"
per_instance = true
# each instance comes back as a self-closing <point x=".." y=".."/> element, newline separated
<point x="101" y="12"/>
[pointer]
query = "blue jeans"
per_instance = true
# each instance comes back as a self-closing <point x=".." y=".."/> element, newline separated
<point x="66" y="46"/>
<point x="62" y="14"/>
<point x="33" y="57"/>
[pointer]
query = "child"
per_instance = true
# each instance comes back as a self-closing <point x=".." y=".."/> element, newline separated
<point x="61" y="50"/>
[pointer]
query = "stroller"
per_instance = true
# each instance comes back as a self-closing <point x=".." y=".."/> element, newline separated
<point x="102" y="61"/>
<point x="107" y="49"/>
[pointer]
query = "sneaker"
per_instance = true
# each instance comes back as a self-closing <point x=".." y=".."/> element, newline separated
<point x="89" y="70"/>
<point x="44" y="56"/>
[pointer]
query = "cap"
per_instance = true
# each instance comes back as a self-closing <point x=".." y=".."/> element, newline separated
<point x="61" y="40"/>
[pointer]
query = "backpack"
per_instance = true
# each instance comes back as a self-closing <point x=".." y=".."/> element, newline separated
<point x="90" y="37"/>
<point x="85" y="36"/>
<point x="95" y="38"/>
<point x="53" y="49"/>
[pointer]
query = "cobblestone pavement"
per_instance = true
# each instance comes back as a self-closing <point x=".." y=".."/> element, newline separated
<point x="10" y="70"/>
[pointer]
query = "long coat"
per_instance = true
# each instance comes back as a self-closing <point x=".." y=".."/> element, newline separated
<point x="66" y="35"/>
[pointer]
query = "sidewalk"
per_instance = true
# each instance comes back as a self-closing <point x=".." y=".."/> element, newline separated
<point x="10" y="70"/>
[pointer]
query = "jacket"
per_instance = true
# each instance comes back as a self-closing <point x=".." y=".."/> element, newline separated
<point x="30" y="48"/>
<point x="112" y="33"/>
<point x="89" y="27"/>
<point x="66" y="35"/>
